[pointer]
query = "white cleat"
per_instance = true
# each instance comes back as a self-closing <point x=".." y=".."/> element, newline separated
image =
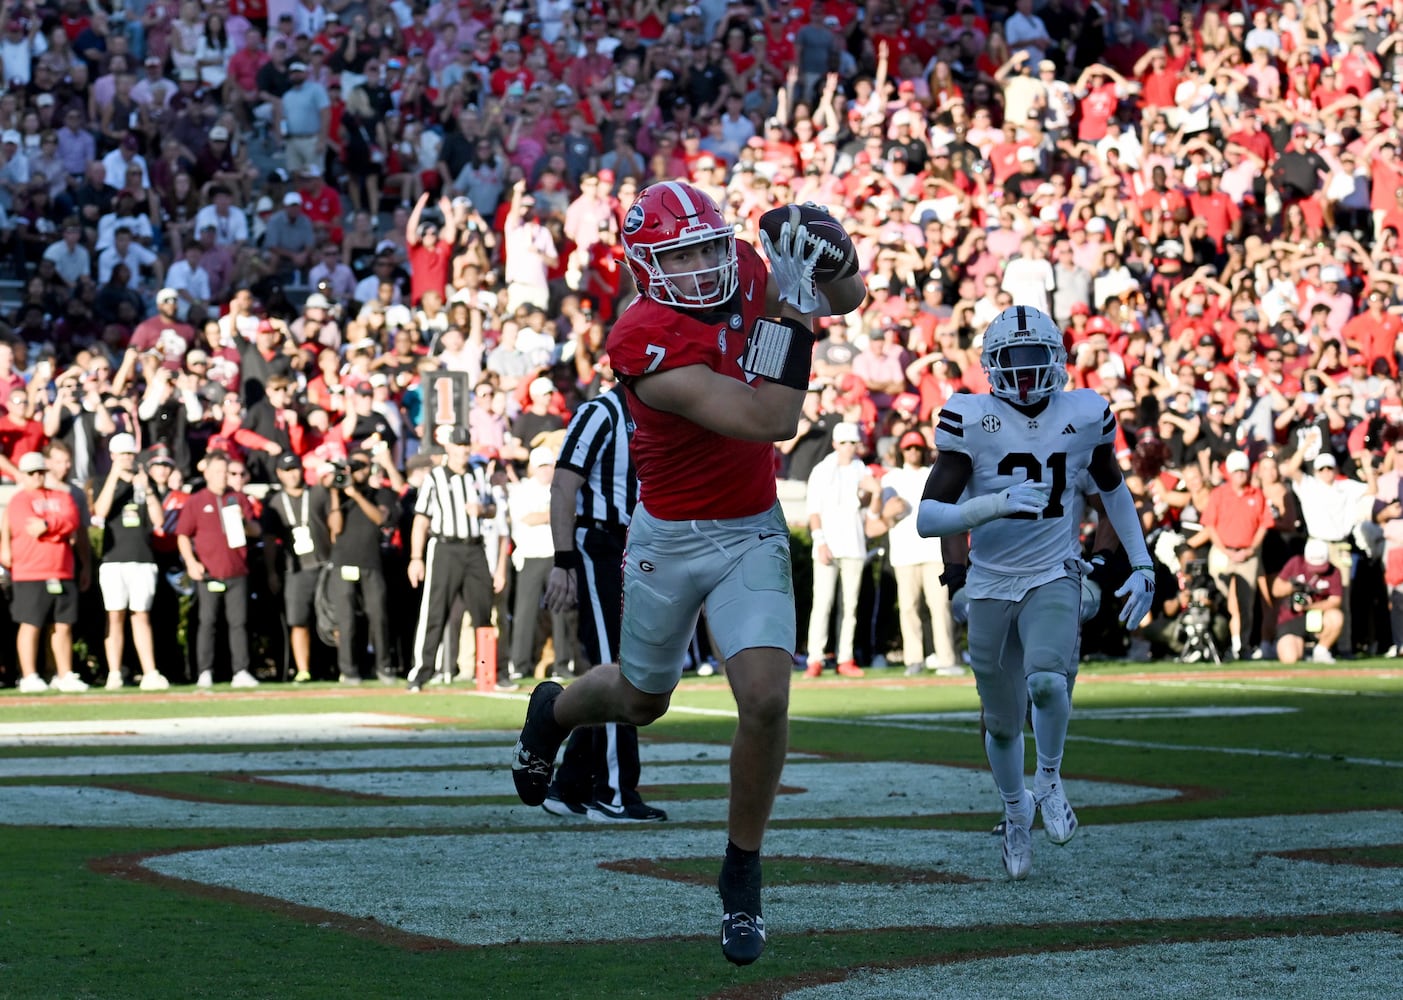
<point x="1059" y="821"/>
<point x="1018" y="842"/>
<point x="243" y="679"/>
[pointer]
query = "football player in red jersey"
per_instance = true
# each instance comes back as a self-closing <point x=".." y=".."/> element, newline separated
<point x="712" y="383"/>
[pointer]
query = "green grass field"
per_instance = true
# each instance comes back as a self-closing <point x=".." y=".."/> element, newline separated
<point x="1240" y="837"/>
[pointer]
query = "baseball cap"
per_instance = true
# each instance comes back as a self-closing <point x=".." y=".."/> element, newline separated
<point x="1237" y="461"/>
<point x="1026" y="154"/>
<point x="542" y="387"/>
<point x="188" y="73"/>
<point x="848" y="433"/>
<point x="317" y="301"/>
<point x="33" y="461"/>
<point x="1096" y="225"/>
<point x="906" y="402"/>
<point x="1317" y="552"/>
<point x="10" y="135"/>
<point x="167" y="295"/>
<point x="122" y="444"/>
<point x="292" y="198"/>
<point x="540" y="456"/>
<point x="287" y="460"/>
<point x="1332" y="273"/>
<point x="219" y="134"/>
<point x="297" y="67"/>
<point x="912" y="439"/>
<point x="159" y="455"/>
<point x="1325" y="461"/>
<point x="459" y="436"/>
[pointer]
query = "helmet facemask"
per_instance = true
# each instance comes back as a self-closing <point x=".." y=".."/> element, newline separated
<point x="1025" y="373"/>
<point x="692" y="287"/>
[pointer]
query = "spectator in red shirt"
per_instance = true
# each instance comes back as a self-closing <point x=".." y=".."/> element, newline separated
<point x="37" y="539"/>
<point x="321" y="203"/>
<point x="511" y="71"/>
<point x="1223" y="216"/>
<point x="1374" y="332"/>
<point x="20" y="433"/>
<point x="212" y="534"/>
<point x="1236" y="521"/>
<point x="430" y="251"/>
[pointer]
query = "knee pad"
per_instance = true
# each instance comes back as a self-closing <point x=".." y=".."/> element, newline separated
<point x="1044" y="685"/>
<point x="1004" y="723"/>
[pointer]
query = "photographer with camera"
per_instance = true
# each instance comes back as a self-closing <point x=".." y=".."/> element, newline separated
<point x="359" y="509"/>
<point x="1311" y="594"/>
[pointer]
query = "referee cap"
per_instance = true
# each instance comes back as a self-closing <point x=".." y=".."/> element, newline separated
<point x="459" y="436"/>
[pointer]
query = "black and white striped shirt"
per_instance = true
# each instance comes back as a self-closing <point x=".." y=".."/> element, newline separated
<point x="596" y="448"/>
<point x="444" y="499"/>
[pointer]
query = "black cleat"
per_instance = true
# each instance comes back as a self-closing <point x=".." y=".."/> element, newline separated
<point x="742" y="926"/>
<point x="533" y="759"/>
<point x="742" y="937"/>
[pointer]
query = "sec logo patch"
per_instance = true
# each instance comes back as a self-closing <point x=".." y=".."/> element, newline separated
<point x="991" y="423"/>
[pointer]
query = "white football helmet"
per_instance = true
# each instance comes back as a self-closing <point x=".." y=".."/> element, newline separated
<point x="1024" y="356"/>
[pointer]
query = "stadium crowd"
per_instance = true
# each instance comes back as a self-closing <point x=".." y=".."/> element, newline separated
<point x="254" y="230"/>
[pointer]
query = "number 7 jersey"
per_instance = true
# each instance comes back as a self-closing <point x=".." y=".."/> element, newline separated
<point x="1011" y="555"/>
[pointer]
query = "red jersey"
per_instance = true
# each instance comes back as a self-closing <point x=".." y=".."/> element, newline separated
<point x="201" y="522"/>
<point x="685" y="471"/>
<point x="50" y="556"/>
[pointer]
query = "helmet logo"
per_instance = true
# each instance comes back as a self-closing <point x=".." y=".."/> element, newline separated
<point x="634" y="220"/>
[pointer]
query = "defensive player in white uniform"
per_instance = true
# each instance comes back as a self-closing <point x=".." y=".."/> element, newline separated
<point x="1008" y="466"/>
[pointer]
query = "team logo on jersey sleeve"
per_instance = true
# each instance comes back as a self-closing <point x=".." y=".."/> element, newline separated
<point x="991" y="423"/>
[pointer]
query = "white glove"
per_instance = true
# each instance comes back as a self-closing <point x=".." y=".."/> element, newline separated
<point x="1028" y="497"/>
<point x="792" y="261"/>
<point x="1139" y="593"/>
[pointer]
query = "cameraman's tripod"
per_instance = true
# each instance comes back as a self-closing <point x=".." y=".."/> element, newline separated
<point x="1199" y="646"/>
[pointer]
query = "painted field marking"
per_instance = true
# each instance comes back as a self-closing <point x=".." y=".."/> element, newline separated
<point x="205" y="729"/>
<point x="1353" y="965"/>
<point x="812" y="790"/>
<point x="1166" y="870"/>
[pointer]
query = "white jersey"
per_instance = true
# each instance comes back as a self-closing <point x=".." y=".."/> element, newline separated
<point x="1011" y="555"/>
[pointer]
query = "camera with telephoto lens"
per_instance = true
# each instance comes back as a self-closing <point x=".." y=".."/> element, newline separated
<point x="1301" y="596"/>
<point x="341" y="477"/>
<point x="1196" y="621"/>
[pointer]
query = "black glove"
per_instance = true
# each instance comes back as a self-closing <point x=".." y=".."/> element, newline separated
<point x="954" y="577"/>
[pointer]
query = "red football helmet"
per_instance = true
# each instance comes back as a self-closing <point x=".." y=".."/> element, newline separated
<point x="672" y="216"/>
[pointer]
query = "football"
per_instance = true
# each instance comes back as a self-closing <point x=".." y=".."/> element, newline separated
<point x="838" y="258"/>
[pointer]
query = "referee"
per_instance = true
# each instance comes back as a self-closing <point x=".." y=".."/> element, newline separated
<point x="592" y="498"/>
<point x="446" y="553"/>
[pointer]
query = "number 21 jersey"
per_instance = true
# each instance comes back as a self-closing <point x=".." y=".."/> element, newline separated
<point x="1011" y="555"/>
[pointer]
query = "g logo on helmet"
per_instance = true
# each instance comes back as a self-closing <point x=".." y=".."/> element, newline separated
<point x="633" y="221"/>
